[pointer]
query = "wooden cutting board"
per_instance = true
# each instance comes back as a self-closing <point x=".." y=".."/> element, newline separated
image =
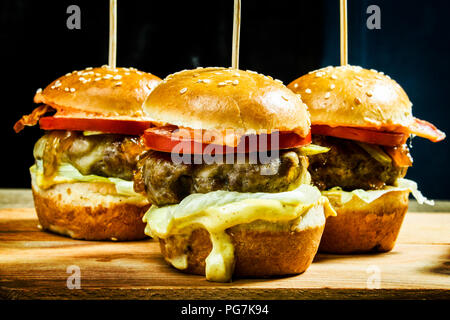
<point x="34" y="265"/>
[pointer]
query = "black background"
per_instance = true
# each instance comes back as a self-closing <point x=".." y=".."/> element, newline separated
<point x="284" y="39"/>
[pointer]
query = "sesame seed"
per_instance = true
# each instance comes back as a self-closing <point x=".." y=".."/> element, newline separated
<point x="333" y="76"/>
<point x="138" y="72"/>
<point x="127" y="73"/>
<point x="117" y="77"/>
<point x="221" y="84"/>
<point x="39" y="227"/>
<point x="66" y="89"/>
<point x="118" y="83"/>
<point x="183" y="90"/>
<point x="98" y="74"/>
<point x="81" y="79"/>
<point x="113" y="239"/>
<point x="53" y="87"/>
<point x="327" y="95"/>
<point x="319" y="74"/>
<point x="358" y="100"/>
<point x="308" y="90"/>
<point x="196" y="74"/>
<point x="332" y="86"/>
<point x="97" y="79"/>
<point x="218" y="73"/>
<point x="279" y="81"/>
<point x="369" y="93"/>
<point x="237" y="74"/>
<point x="68" y="74"/>
<point x="89" y="68"/>
<point x="235" y="82"/>
<point x="373" y="70"/>
<point x="72" y="89"/>
<point x="295" y="85"/>
<point x="39" y="90"/>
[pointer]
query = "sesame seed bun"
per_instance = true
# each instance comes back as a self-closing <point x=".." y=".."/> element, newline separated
<point x="82" y="210"/>
<point x="89" y="211"/>
<point x="221" y="98"/>
<point x="108" y="92"/>
<point x="261" y="249"/>
<point x="354" y="97"/>
<point x="365" y="227"/>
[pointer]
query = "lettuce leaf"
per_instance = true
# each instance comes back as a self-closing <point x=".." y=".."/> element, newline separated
<point x="369" y="196"/>
<point x="67" y="173"/>
<point x="160" y="218"/>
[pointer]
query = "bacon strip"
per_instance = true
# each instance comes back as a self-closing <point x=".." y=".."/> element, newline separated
<point x="32" y="118"/>
<point x="400" y="155"/>
<point x="426" y="130"/>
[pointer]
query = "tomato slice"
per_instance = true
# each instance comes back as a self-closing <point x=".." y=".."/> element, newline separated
<point x="169" y="139"/>
<point x="400" y="155"/>
<point x="426" y="130"/>
<point x="129" y="127"/>
<point x="383" y="138"/>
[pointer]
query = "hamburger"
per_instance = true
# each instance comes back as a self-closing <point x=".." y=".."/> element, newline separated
<point x="84" y="163"/>
<point x="226" y="173"/>
<point x="364" y="118"/>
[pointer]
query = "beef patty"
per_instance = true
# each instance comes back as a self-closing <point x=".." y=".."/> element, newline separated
<point x="350" y="167"/>
<point x="165" y="182"/>
<point x="107" y="155"/>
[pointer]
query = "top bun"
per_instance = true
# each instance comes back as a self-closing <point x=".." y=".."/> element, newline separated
<point x="354" y="97"/>
<point x="225" y="98"/>
<point x="105" y="91"/>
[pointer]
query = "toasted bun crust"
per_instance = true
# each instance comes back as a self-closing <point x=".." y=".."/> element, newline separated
<point x="362" y="227"/>
<point x="355" y="97"/>
<point x="220" y="98"/>
<point x="258" y="253"/>
<point x="89" y="211"/>
<point x="105" y="91"/>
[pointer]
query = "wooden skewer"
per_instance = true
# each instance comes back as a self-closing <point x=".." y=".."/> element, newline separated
<point x="112" y="33"/>
<point x="344" y="39"/>
<point x="236" y="34"/>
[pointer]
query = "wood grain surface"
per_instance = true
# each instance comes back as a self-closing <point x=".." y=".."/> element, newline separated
<point x="33" y="265"/>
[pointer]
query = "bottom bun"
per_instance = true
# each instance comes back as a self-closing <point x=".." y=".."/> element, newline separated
<point x="258" y="251"/>
<point x="365" y="227"/>
<point x="90" y="211"/>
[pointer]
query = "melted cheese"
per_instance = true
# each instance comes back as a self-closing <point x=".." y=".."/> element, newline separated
<point x="66" y="173"/>
<point x="217" y="211"/>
